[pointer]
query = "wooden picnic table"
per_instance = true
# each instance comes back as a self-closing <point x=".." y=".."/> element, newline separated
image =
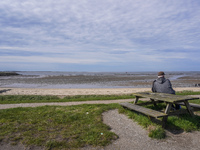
<point x="155" y="98"/>
<point x="169" y="99"/>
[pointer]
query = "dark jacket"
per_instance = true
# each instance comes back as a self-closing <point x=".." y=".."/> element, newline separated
<point x="162" y="85"/>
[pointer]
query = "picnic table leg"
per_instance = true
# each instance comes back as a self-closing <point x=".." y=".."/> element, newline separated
<point x="167" y="110"/>
<point x="153" y="101"/>
<point x="189" y="108"/>
<point x="136" y="100"/>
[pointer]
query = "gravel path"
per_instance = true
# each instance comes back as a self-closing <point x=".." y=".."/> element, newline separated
<point x="133" y="136"/>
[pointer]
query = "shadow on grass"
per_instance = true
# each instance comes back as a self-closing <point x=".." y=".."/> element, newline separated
<point x="185" y="122"/>
<point x="177" y="124"/>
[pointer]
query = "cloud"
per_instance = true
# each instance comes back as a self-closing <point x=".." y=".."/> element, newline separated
<point x="95" y="32"/>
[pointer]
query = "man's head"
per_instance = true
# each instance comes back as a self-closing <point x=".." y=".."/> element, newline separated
<point x="161" y="74"/>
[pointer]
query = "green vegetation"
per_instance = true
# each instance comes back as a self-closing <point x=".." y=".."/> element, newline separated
<point x="185" y="92"/>
<point x="182" y="122"/>
<point x="61" y="127"/>
<point x="56" y="127"/>
<point x="8" y="73"/>
<point x="190" y="93"/>
<point x="155" y="130"/>
<point x="13" y="99"/>
<point x="195" y="101"/>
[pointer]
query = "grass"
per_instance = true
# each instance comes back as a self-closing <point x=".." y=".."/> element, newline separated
<point x="155" y="131"/>
<point x="59" y="127"/>
<point x="186" y="92"/>
<point x="14" y="99"/>
<point x="72" y="127"/>
<point x="56" y="127"/>
<point x="190" y="93"/>
<point x="182" y="122"/>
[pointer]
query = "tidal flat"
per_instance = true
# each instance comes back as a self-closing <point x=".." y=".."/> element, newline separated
<point x="60" y="80"/>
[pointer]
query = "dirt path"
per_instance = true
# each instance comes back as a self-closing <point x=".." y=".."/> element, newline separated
<point x="133" y="136"/>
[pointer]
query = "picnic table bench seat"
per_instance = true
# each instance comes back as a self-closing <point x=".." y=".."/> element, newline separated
<point x="146" y="111"/>
<point x="191" y="104"/>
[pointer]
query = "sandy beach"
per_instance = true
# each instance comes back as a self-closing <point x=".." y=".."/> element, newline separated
<point x="71" y="92"/>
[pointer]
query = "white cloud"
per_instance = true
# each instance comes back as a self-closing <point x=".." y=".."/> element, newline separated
<point x="40" y="59"/>
<point x="110" y="31"/>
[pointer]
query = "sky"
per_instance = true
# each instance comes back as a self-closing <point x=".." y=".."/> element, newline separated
<point x="99" y="35"/>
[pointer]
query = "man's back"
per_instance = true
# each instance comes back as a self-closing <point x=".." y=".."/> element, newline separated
<point x="162" y="85"/>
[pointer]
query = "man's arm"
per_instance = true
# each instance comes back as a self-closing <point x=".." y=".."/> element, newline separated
<point x="153" y="89"/>
<point x="172" y="91"/>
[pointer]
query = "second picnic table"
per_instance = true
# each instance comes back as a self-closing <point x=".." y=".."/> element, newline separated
<point x="155" y="98"/>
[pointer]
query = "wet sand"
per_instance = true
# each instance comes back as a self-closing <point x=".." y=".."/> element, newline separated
<point x="88" y="81"/>
<point x="92" y="84"/>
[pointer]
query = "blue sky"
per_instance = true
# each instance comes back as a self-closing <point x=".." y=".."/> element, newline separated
<point x="100" y="35"/>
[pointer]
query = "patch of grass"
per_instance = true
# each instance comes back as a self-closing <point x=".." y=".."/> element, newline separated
<point x="98" y="97"/>
<point x="186" y="92"/>
<point x="197" y="101"/>
<point x="190" y="93"/>
<point x="57" y="127"/>
<point x="155" y="130"/>
<point x="157" y="133"/>
<point x="182" y="122"/>
<point x="13" y="99"/>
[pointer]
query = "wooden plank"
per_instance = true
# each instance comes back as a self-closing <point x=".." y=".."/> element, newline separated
<point x="149" y="103"/>
<point x="165" y="97"/>
<point x="191" y="104"/>
<point x="189" y="108"/>
<point x="136" y="100"/>
<point x="168" y="108"/>
<point x="146" y="111"/>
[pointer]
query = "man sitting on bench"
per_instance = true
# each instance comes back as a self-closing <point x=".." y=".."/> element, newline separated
<point x="163" y="85"/>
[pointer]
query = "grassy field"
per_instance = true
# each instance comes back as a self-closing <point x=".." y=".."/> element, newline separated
<point x="57" y="127"/>
<point x="14" y="99"/>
